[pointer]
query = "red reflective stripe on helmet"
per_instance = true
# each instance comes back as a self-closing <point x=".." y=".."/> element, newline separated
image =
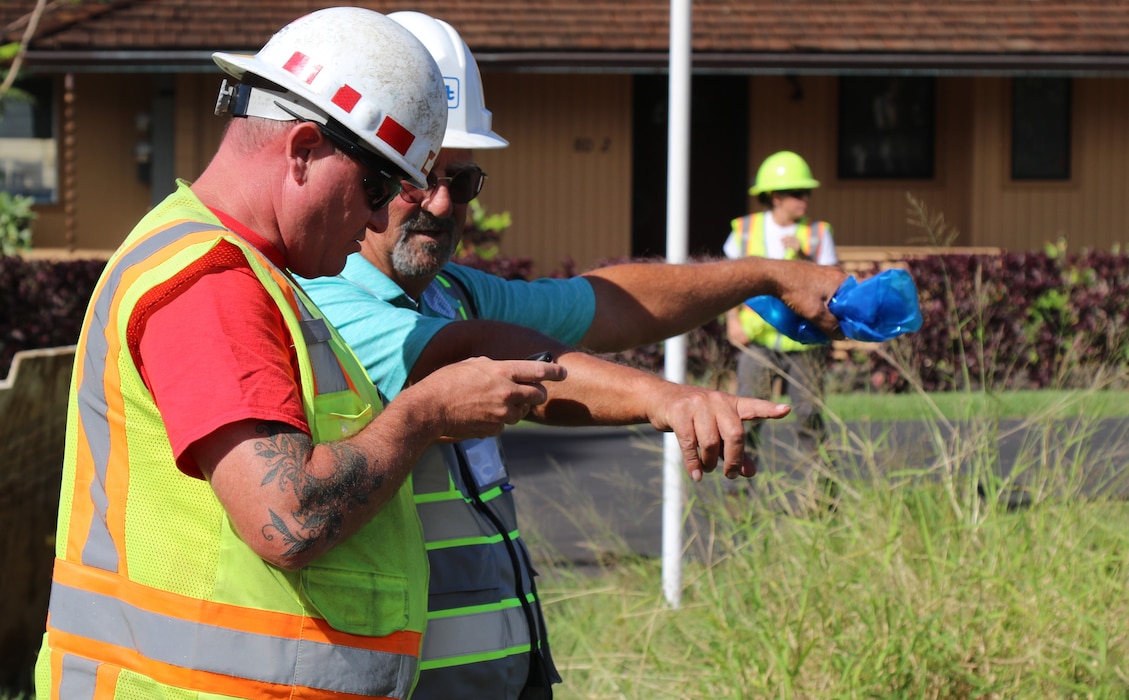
<point x="395" y="135"/>
<point x="300" y="65"/>
<point x="346" y="98"/>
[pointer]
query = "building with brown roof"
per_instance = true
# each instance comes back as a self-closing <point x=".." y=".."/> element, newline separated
<point x="1009" y="117"/>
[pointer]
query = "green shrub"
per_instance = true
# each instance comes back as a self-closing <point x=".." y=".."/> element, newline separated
<point x="16" y="216"/>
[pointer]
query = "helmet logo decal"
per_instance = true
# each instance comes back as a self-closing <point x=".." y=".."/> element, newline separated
<point x="346" y="98"/>
<point x="453" y="92"/>
<point x="395" y="135"/>
<point x="302" y="67"/>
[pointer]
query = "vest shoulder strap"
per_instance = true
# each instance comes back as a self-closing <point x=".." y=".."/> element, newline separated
<point x="811" y="234"/>
<point x="455" y="288"/>
<point x="744" y="227"/>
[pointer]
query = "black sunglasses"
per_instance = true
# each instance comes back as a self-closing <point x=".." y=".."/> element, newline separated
<point x="797" y="194"/>
<point x="462" y="187"/>
<point x="380" y="189"/>
<point x="386" y="181"/>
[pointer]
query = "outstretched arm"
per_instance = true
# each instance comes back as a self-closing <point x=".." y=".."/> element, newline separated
<point x="639" y="303"/>
<point x="709" y="424"/>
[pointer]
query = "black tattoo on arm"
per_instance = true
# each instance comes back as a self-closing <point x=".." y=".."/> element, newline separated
<point x="323" y="502"/>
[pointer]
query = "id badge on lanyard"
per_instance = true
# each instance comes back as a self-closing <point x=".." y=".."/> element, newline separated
<point x="485" y="460"/>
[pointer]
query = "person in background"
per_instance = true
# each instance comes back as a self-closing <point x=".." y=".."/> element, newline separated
<point x="408" y="311"/>
<point x="781" y="231"/>
<point x="231" y="522"/>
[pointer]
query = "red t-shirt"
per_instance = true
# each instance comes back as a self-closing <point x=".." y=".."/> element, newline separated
<point x="213" y="349"/>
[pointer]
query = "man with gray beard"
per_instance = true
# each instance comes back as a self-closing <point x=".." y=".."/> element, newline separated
<point x="407" y="311"/>
<point x="422" y="258"/>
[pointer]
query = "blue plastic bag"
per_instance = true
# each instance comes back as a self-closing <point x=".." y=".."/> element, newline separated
<point x="878" y="308"/>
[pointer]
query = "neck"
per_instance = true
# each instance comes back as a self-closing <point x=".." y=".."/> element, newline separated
<point x="782" y="219"/>
<point x="412" y="286"/>
<point x="231" y="196"/>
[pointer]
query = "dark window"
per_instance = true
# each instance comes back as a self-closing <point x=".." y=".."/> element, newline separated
<point x="1040" y="129"/>
<point x="719" y="127"/>
<point x="28" y="152"/>
<point x="886" y="126"/>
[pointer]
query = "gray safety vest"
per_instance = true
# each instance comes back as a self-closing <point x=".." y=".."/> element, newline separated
<point x="483" y="608"/>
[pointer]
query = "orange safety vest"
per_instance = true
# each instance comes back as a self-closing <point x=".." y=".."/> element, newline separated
<point x="750" y="234"/>
<point x="154" y="595"/>
<point x="811" y="235"/>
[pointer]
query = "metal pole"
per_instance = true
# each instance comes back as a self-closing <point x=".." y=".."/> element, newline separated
<point x="677" y="220"/>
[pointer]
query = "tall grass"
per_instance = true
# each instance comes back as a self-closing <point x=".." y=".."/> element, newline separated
<point x="898" y="595"/>
<point x="934" y="570"/>
<point x="927" y="580"/>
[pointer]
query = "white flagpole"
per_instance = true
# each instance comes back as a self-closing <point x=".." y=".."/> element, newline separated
<point x="677" y="220"/>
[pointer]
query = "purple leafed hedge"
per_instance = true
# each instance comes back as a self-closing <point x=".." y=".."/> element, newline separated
<point x="1008" y="321"/>
<point x="43" y="303"/>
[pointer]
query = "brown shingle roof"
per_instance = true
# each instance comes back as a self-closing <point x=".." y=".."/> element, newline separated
<point x="741" y="30"/>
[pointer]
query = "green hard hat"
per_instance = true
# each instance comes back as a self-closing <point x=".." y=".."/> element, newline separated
<point x="783" y="171"/>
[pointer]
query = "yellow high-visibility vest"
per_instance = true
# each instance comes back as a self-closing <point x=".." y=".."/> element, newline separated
<point x="153" y="594"/>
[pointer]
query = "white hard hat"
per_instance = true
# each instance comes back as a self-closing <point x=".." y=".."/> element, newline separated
<point x="468" y="120"/>
<point x="354" y="67"/>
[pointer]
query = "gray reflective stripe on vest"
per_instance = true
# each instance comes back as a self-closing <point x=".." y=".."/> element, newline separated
<point x="431" y="475"/>
<point x="453" y="520"/>
<point x="99" y="550"/>
<point x="257" y="657"/>
<point x="443" y="511"/>
<point x="474" y="634"/>
<point x="328" y="375"/>
<point x="79" y="678"/>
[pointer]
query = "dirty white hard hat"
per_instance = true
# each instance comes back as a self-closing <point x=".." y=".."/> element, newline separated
<point x="353" y="68"/>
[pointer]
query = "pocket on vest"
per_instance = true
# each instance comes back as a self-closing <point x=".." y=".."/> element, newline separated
<point x="357" y="602"/>
<point x="340" y="415"/>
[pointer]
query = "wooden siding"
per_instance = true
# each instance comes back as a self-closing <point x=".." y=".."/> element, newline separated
<point x="862" y="212"/>
<point x="1091" y="209"/>
<point x="198" y="130"/>
<point x="110" y="198"/>
<point x="566" y="179"/>
<point x="566" y="176"/>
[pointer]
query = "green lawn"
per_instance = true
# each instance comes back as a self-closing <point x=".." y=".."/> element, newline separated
<point x="956" y="405"/>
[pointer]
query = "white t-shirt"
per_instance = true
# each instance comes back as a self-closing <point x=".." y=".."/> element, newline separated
<point x="774" y="235"/>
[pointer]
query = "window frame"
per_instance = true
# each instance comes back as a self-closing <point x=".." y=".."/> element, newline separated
<point x="48" y="192"/>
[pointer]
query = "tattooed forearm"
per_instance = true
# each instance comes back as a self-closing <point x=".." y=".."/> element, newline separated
<point x="323" y="502"/>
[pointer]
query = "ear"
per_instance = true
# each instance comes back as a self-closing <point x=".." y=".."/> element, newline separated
<point x="304" y="142"/>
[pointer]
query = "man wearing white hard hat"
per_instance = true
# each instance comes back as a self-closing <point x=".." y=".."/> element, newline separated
<point x="408" y="311"/>
<point x="231" y="522"/>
